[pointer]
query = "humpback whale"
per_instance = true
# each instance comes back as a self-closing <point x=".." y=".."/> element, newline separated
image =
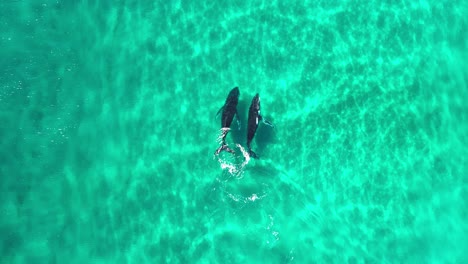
<point x="252" y="124"/>
<point x="229" y="109"/>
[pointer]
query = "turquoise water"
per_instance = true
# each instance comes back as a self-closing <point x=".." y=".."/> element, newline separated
<point x="108" y="129"/>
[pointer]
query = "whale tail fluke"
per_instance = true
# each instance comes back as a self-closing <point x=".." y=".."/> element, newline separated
<point x="224" y="147"/>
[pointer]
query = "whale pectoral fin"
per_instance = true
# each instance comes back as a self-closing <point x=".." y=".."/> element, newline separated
<point x="266" y="122"/>
<point x="219" y="111"/>
<point x="238" y="121"/>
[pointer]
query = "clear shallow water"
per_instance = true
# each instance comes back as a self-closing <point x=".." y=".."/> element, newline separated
<point x="107" y="132"/>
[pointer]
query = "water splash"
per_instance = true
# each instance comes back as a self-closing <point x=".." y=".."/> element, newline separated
<point x="231" y="163"/>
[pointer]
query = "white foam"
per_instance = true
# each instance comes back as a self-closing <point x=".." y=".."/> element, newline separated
<point x="223" y="131"/>
<point x="234" y="168"/>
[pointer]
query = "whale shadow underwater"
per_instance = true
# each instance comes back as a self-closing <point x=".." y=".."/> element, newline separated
<point x="264" y="137"/>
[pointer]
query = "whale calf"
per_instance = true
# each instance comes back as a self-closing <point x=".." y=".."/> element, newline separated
<point x="229" y="110"/>
<point x="252" y="123"/>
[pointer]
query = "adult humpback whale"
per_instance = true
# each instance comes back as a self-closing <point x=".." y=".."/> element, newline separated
<point x="252" y="124"/>
<point x="229" y="110"/>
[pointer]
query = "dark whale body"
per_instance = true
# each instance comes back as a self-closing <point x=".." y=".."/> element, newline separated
<point x="252" y="123"/>
<point x="229" y="110"/>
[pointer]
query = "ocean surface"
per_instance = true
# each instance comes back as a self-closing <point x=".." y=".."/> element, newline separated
<point x="108" y="128"/>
